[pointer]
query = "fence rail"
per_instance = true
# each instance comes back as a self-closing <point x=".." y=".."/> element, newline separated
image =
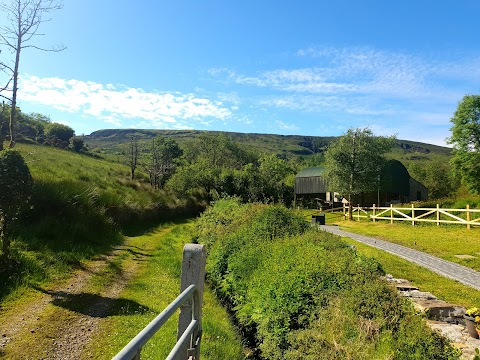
<point x="189" y="332"/>
<point x="431" y="215"/>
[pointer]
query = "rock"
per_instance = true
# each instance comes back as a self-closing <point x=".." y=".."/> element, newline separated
<point x="405" y="287"/>
<point x="440" y="310"/>
<point x="416" y="294"/>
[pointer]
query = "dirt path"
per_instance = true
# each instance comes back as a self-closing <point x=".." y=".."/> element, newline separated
<point x="59" y="322"/>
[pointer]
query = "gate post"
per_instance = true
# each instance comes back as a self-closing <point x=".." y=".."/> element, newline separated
<point x="193" y="272"/>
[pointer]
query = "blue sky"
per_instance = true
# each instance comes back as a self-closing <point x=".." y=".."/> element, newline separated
<point x="283" y="67"/>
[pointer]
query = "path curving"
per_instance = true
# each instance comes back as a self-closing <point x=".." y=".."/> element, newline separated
<point x="445" y="268"/>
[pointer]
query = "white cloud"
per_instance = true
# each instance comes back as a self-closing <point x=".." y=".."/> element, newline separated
<point x="286" y="126"/>
<point x="112" y="103"/>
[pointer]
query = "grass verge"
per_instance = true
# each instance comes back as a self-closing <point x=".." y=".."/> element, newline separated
<point x="446" y="242"/>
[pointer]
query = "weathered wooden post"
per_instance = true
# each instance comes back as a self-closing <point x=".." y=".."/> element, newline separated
<point x="438" y="215"/>
<point x="468" y="217"/>
<point x="373" y="218"/>
<point x="358" y="212"/>
<point x="344" y="213"/>
<point x="413" y="214"/>
<point x="193" y="272"/>
<point x="391" y="213"/>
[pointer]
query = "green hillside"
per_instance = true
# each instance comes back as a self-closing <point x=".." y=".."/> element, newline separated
<point x="110" y="142"/>
<point x="79" y="207"/>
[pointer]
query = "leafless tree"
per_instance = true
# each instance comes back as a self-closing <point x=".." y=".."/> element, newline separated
<point x="133" y="155"/>
<point x="24" y="18"/>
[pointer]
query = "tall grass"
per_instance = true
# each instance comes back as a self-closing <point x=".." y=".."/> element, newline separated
<point x="80" y="206"/>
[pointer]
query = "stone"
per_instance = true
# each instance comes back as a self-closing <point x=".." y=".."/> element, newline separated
<point x="439" y="310"/>
<point x="405" y="287"/>
<point x="416" y="294"/>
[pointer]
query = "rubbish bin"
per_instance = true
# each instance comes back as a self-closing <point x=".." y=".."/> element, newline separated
<point x="318" y="219"/>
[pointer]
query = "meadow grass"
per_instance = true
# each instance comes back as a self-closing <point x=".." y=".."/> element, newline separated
<point x="444" y="241"/>
<point x="155" y="286"/>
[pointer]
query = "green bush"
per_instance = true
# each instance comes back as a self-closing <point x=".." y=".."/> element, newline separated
<point x="15" y="185"/>
<point x="300" y="293"/>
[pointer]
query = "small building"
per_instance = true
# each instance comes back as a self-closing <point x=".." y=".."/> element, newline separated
<point x="396" y="186"/>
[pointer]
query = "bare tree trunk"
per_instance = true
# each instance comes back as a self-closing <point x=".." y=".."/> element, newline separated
<point x="13" y="112"/>
<point x="2" y="119"/>
<point x="4" y="238"/>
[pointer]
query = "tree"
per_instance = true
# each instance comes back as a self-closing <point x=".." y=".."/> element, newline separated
<point x="3" y="123"/>
<point x="16" y="185"/>
<point x="206" y="159"/>
<point x="354" y="163"/>
<point x="58" y="135"/>
<point x="267" y="181"/>
<point x="133" y="155"/>
<point x="437" y="177"/>
<point x="24" y="18"/>
<point x="77" y="143"/>
<point x="165" y="152"/>
<point x="466" y="142"/>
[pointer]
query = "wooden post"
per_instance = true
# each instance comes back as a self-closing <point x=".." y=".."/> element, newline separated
<point x="413" y="214"/>
<point x="438" y="215"/>
<point x="193" y="272"/>
<point x="358" y="212"/>
<point x="468" y="217"/>
<point x="373" y="218"/>
<point x="391" y="213"/>
<point x="344" y="212"/>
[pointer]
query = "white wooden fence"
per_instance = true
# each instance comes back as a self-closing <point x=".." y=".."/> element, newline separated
<point x="467" y="216"/>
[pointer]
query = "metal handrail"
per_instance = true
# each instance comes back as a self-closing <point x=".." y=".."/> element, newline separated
<point x="133" y="348"/>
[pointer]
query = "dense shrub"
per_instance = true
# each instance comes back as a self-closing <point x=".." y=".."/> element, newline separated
<point x="304" y="294"/>
<point x="15" y="189"/>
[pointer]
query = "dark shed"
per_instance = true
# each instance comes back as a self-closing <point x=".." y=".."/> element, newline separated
<point x="396" y="186"/>
<point x="311" y="181"/>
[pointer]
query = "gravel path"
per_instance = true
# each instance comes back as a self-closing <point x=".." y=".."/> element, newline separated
<point x="445" y="268"/>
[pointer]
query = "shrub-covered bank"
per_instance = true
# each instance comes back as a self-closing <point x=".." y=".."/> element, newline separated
<point x="299" y="293"/>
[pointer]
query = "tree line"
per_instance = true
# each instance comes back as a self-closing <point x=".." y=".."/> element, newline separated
<point x="213" y="166"/>
<point x="39" y="129"/>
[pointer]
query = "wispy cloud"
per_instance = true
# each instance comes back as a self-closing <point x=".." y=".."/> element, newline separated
<point x="114" y="104"/>
<point x="371" y="74"/>
<point x="286" y="126"/>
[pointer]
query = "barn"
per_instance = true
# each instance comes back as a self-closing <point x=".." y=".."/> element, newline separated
<point x="396" y="186"/>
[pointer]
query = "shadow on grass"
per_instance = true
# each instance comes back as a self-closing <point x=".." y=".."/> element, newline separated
<point x="95" y="305"/>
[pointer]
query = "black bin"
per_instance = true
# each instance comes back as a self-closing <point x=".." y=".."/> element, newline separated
<point x="318" y="219"/>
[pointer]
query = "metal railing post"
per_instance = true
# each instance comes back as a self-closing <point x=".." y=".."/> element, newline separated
<point x="193" y="272"/>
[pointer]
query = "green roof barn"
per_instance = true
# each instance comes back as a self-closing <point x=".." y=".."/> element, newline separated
<point x="396" y="186"/>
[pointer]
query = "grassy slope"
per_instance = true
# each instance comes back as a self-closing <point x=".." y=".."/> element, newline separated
<point x="74" y="200"/>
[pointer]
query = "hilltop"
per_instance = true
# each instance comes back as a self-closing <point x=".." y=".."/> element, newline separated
<point x="114" y="141"/>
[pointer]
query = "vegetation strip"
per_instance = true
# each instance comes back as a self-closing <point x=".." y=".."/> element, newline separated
<point x="307" y="294"/>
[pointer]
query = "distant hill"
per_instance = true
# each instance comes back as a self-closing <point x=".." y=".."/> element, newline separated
<point x="114" y="141"/>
